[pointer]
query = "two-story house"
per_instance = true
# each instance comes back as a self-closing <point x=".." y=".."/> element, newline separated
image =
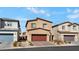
<point x="42" y="30"/>
<point x="9" y="30"/>
<point x="66" y="31"/>
<point x="38" y="30"/>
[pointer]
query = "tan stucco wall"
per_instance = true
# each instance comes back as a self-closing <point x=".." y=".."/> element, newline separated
<point x="78" y="36"/>
<point x="38" y="31"/>
<point x="55" y="33"/>
<point x="39" y="24"/>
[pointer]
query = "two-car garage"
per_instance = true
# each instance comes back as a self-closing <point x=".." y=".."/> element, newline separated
<point x="6" y="39"/>
<point x="69" y="37"/>
<point x="39" y="37"/>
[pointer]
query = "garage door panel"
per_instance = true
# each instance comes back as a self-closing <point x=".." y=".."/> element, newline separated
<point x="6" y="40"/>
<point x="69" y="37"/>
<point x="39" y="37"/>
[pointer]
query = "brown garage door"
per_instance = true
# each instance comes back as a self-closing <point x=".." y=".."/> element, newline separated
<point x="39" y="37"/>
<point x="69" y="37"/>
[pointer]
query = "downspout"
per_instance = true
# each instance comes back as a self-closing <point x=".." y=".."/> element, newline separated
<point x="50" y="37"/>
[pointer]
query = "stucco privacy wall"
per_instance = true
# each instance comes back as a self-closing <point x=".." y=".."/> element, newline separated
<point x="15" y="34"/>
<point x="55" y="33"/>
<point x="39" y="31"/>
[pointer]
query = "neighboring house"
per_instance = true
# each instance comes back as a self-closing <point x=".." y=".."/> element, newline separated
<point x="66" y="31"/>
<point x="9" y="30"/>
<point x="38" y="30"/>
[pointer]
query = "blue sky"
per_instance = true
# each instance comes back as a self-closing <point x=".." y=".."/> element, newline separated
<point x="54" y="14"/>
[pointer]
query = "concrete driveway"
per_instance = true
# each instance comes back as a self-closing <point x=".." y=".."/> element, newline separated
<point x="41" y="43"/>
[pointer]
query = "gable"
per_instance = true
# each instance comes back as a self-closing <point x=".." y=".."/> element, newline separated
<point x="37" y="19"/>
<point x="65" y="23"/>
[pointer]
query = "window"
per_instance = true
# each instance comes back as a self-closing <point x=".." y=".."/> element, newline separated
<point x="78" y="27"/>
<point x="74" y="27"/>
<point x="44" y="25"/>
<point x="33" y="25"/>
<point x="8" y="24"/>
<point x="63" y="27"/>
<point x="69" y="27"/>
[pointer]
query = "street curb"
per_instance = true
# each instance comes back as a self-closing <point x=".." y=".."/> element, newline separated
<point x="39" y="46"/>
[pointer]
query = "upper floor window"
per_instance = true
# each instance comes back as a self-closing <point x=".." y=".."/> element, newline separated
<point x="44" y="25"/>
<point x="74" y="27"/>
<point x="63" y="27"/>
<point x="78" y="27"/>
<point x="33" y="25"/>
<point x="8" y="24"/>
<point x="69" y="27"/>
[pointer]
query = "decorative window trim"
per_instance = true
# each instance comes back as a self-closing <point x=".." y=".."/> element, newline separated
<point x="33" y="25"/>
<point x="44" y="25"/>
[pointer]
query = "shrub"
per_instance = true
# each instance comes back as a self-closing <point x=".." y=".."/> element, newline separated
<point x="22" y="43"/>
<point x="58" y="42"/>
<point x="15" y="44"/>
<point x="30" y="43"/>
<point x="67" y="42"/>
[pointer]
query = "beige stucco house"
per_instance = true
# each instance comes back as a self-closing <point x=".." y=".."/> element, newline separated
<point x="66" y="31"/>
<point x="42" y="30"/>
<point x="39" y="30"/>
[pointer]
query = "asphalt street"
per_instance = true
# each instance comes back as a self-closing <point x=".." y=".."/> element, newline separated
<point x="62" y="48"/>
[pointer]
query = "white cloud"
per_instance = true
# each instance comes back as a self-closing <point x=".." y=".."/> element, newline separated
<point x="48" y="14"/>
<point x="34" y="10"/>
<point x="76" y="11"/>
<point x="38" y="11"/>
<point x="68" y="10"/>
<point x="57" y="12"/>
<point x="42" y="11"/>
<point x="72" y="11"/>
<point x="21" y="18"/>
<point x="74" y="14"/>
